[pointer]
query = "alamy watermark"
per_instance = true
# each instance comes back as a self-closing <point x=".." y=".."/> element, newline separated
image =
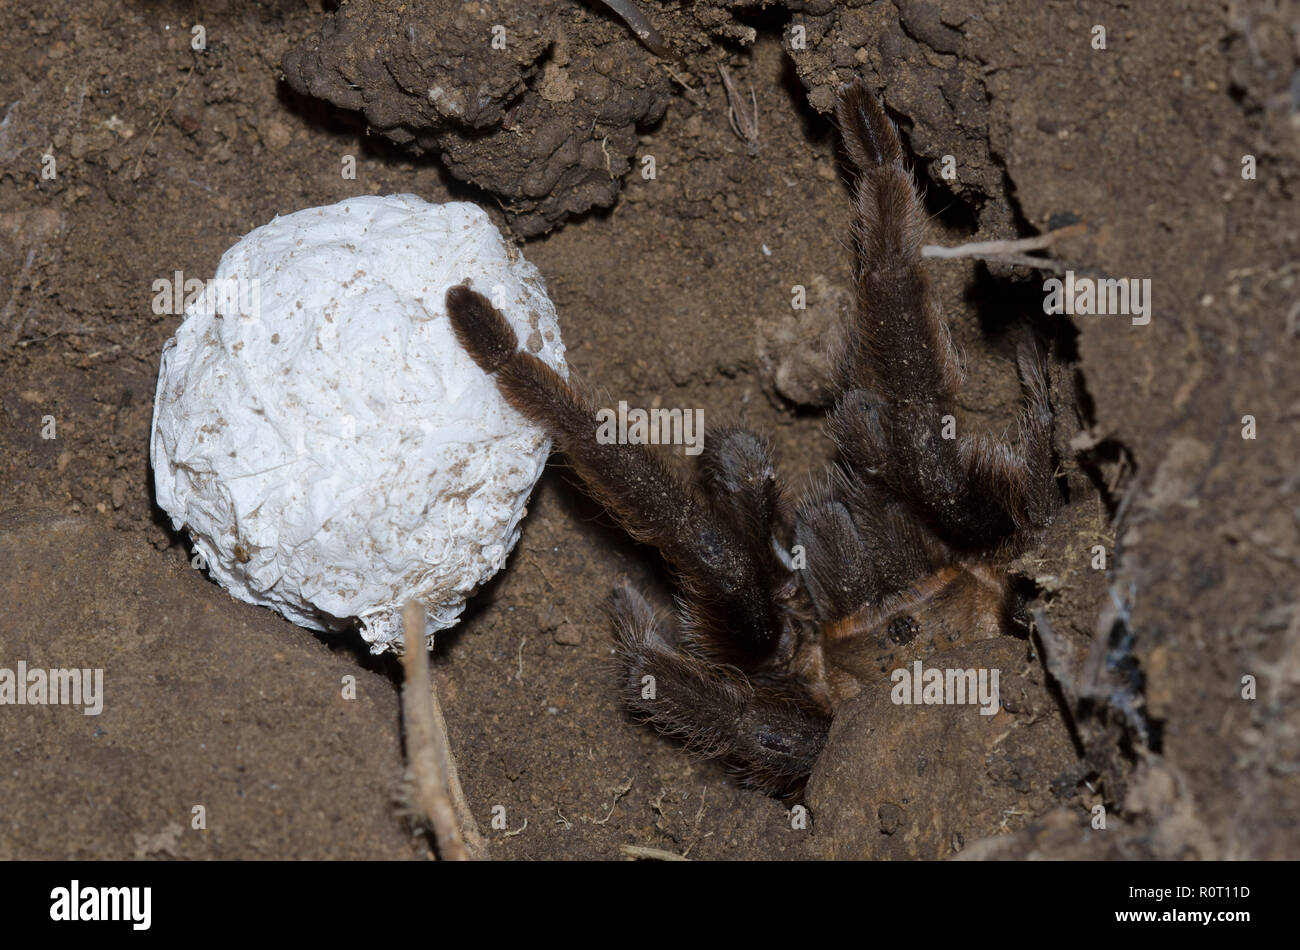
<point x="1101" y="296"/>
<point x="228" y="297"/>
<point x="75" y="902"/>
<point x="651" y="427"/>
<point x="946" y="687"/>
<point x="53" y="687"/>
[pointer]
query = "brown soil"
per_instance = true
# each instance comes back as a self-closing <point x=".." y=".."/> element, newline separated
<point x="671" y="291"/>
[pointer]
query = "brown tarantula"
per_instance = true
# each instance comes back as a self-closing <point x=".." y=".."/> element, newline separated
<point x="908" y="535"/>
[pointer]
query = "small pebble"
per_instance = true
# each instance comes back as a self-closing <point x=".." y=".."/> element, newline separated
<point x="568" y="633"/>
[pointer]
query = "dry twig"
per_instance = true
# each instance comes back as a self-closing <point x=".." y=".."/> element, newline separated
<point x="650" y="854"/>
<point x="436" y="793"/>
<point x="1009" y="252"/>
<point x="135" y="172"/>
<point x="744" y="120"/>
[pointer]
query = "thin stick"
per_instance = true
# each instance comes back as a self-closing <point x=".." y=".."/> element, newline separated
<point x="743" y="123"/>
<point x="135" y="173"/>
<point x="650" y="854"/>
<point x="474" y="840"/>
<point x="1010" y="251"/>
<point x="437" y="794"/>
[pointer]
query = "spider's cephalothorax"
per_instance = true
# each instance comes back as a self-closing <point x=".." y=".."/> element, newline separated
<point x="906" y="537"/>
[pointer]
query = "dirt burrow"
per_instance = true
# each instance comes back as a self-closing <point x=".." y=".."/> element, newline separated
<point x="1143" y="141"/>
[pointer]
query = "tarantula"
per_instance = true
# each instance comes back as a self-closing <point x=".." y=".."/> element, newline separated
<point x="908" y="533"/>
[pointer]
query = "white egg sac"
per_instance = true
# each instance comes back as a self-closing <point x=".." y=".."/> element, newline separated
<point x="321" y="435"/>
